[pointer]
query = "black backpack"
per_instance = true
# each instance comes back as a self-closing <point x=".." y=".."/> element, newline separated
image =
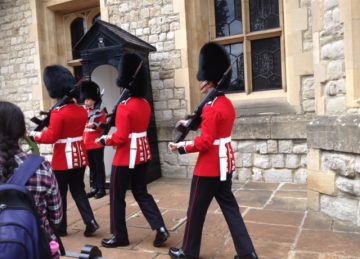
<point x="21" y="235"/>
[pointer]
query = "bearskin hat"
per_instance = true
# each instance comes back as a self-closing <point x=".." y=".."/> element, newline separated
<point x="213" y="62"/>
<point x="90" y="90"/>
<point x="58" y="81"/>
<point x="129" y="63"/>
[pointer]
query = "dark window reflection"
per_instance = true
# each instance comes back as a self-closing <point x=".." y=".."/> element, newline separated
<point x="264" y="14"/>
<point x="77" y="29"/>
<point x="97" y="17"/>
<point x="237" y="79"/>
<point x="78" y="73"/>
<point x="228" y="17"/>
<point x="266" y="64"/>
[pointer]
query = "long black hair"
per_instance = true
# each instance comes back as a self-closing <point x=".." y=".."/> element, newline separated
<point x="12" y="128"/>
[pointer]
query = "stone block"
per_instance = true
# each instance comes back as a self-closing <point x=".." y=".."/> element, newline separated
<point x="292" y="161"/>
<point x="332" y="133"/>
<point x="313" y="159"/>
<point x="289" y="127"/>
<point x="278" y="161"/>
<point x="323" y="182"/>
<point x="300" y="176"/>
<point x="313" y="200"/>
<point x="351" y="187"/>
<point x="262" y="161"/>
<point x="340" y="207"/>
<point x="285" y="146"/>
<point x="277" y="176"/>
<point x="272" y="146"/>
<point x="252" y="128"/>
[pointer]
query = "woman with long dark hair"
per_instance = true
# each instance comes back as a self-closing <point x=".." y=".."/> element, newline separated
<point x="42" y="185"/>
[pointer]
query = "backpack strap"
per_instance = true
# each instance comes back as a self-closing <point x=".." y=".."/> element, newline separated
<point x="23" y="173"/>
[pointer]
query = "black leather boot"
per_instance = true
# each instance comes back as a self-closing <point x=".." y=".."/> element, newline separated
<point x="100" y="193"/>
<point x="114" y="241"/>
<point x="161" y="236"/>
<point x="91" y="228"/>
<point x="253" y="255"/>
<point x="179" y="253"/>
<point x="92" y="192"/>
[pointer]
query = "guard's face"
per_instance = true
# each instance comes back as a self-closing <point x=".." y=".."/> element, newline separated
<point x="89" y="103"/>
<point x="205" y="86"/>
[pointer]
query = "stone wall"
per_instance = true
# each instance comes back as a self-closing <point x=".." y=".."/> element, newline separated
<point x="155" y="22"/>
<point x="18" y="72"/>
<point x="266" y="149"/>
<point x="334" y="166"/>
<point x="332" y="57"/>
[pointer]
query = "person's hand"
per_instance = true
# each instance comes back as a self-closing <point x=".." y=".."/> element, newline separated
<point x="102" y="140"/>
<point x="90" y="125"/>
<point x="173" y="147"/>
<point x="181" y="122"/>
<point x="33" y="133"/>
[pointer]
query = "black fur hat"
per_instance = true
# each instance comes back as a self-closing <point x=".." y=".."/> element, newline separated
<point x="127" y="68"/>
<point x="213" y="62"/>
<point x="90" y="90"/>
<point x="58" y="81"/>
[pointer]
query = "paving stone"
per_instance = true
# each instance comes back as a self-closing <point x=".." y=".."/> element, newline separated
<point x="295" y="194"/>
<point x="253" y="198"/>
<point x="273" y="225"/>
<point x="293" y="187"/>
<point x="344" y="244"/>
<point x="275" y="217"/>
<point x="287" y="203"/>
<point x="317" y="220"/>
<point x="260" y="186"/>
<point x="275" y="233"/>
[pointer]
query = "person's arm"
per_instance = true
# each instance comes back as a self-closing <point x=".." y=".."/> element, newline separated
<point x="203" y="142"/>
<point x="121" y="135"/>
<point x="53" y="200"/>
<point x="52" y="134"/>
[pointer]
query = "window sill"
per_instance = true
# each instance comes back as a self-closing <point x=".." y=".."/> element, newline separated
<point x="261" y="103"/>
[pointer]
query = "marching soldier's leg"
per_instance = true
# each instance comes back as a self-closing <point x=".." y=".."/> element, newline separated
<point x="147" y="204"/>
<point x="201" y="194"/>
<point x="99" y="177"/>
<point x="77" y="189"/>
<point x="231" y="211"/>
<point x="118" y="186"/>
<point x="62" y="179"/>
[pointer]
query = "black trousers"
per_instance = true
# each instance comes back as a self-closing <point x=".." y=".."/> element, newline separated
<point x="203" y="190"/>
<point x="74" y="180"/>
<point x="121" y="176"/>
<point x="97" y="168"/>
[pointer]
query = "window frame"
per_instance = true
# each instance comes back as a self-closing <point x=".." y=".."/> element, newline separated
<point x="245" y="38"/>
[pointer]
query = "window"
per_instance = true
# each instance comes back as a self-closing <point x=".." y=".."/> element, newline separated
<point x="78" y="24"/>
<point x="251" y="32"/>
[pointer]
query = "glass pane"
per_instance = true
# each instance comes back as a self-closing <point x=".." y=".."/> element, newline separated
<point x="266" y="64"/>
<point x="237" y="79"/>
<point x="78" y="73"/>
<point x="228" y="17"/>
<point x="264" y="14"/>
<point x="77" y="29"/>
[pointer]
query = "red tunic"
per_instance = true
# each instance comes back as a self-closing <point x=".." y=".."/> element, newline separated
<point x="66" y="122"/>
<point x="132" y="116"/>
<point x="218" y="119"/>
<point x="97" y="117"/>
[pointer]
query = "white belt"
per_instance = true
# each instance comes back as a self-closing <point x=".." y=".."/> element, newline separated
<point x="68" y="150"/>
<point x="133" y="146"/>
<point x="222" y="155"/>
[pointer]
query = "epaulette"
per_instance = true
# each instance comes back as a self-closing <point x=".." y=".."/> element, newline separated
<point x="59" y="107"/>
<point x="125" y="101"/>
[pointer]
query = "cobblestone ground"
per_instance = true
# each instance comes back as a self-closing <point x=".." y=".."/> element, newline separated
<point x="275" y="214"/>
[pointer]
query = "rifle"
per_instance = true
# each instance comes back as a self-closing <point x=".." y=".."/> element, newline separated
<point x="110" y="122"/>
<point x="194" y="120"/>
<point x="125" y="94"/>
<point x="42" y="123"/>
